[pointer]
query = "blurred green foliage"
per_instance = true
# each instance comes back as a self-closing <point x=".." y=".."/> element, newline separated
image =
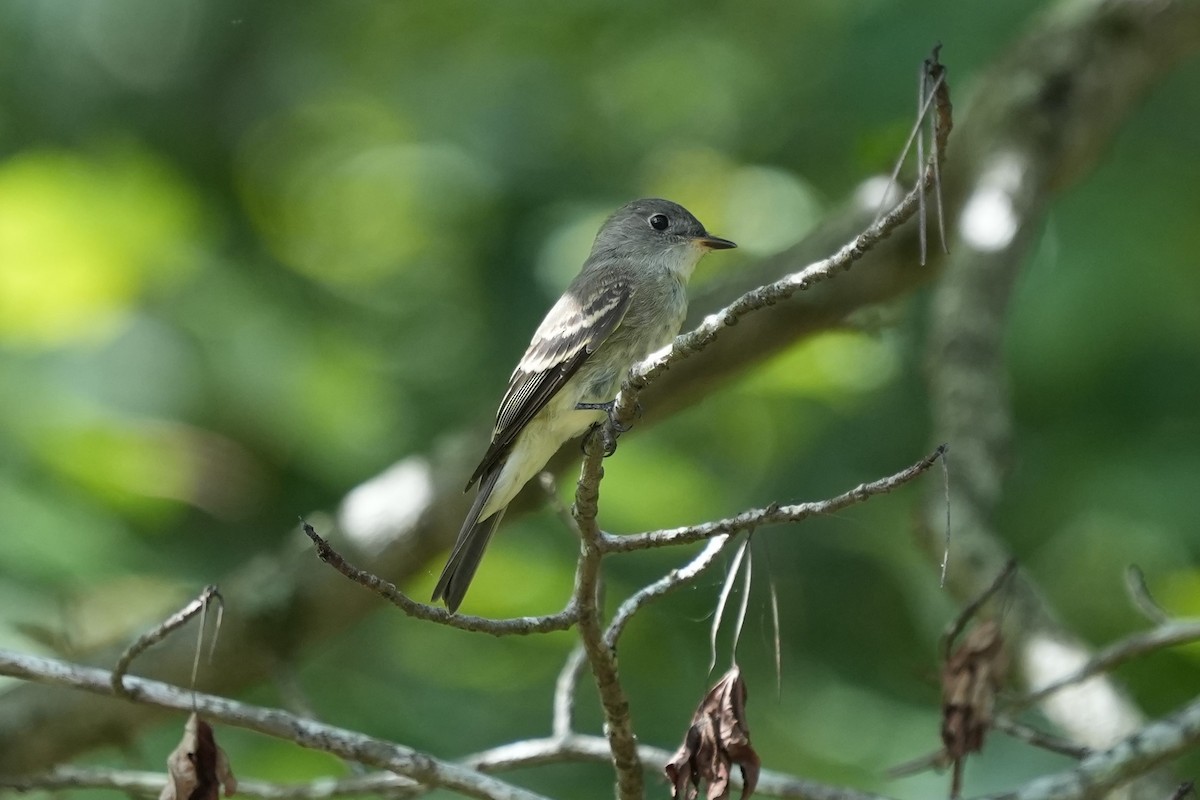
<point x="251" y="254"/>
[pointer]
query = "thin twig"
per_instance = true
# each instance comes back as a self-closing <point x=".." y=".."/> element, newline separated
<point x="383" y="785"/>
<point x="1183" y="790"/>
<point x="922" y="221"/>
<point x="937" y="760"/>
<point x="160" y="632"/>
<point x="946" y="492"/>
<point x="772" y="514"/>
<point x="1139" y="593"/>
<point x="1173" y="633"/>
<point x="516" y="626"/>
<point x="972" y="608"/>
<point x="68" y="777"/>
<point x="668" y="583"/>
<point x="935" y="75"/>
<point x="563" y="723"/>
<point x="1032" y="736"/>
<point x="924" y="102"/>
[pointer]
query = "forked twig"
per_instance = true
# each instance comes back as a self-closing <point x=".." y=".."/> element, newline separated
<point x="155" y="635"/>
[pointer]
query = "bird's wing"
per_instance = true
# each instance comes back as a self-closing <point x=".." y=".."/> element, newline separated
<point x="568" y="335"/>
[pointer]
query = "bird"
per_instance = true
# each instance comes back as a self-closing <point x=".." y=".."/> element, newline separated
<point x="628" y="300"/>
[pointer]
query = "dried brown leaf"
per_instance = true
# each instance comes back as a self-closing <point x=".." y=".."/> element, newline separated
<point x="971" y="677"/>
<point x="198" y="767"/>
<point x="718" y="738"/>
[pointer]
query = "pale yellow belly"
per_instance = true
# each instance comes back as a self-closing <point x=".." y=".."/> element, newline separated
<point x="554" y="425"/>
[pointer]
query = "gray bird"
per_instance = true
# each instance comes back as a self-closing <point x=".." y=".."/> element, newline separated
<point x="628" y="300"/>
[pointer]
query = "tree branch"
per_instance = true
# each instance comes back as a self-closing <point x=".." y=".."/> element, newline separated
<point x="1107" y="52"/>
<point x="704" y="334"/>
<point x="1132" y="756"/>
<point x="563" y="721"/>
<point x="160" y="632"/>
<point x="410" y="772"/>
<point x="603" y="660"/>
<point x="1096" y="775"/>
<point x="600" y="652"/>
<point x="575" y="748"/>
<point x="1043" y="115"/>
<point x="1169" y="634"/>
<point x="773" y="514"/>
<point x="519" y="626"/>
<point x="405" y="761"/>
<point x="1032" y="736"/>
<point x="385" y="785"/>
<point x="667" y="583"/>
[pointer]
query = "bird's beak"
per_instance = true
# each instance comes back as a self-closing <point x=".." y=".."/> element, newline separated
<point x="714" y="243"/>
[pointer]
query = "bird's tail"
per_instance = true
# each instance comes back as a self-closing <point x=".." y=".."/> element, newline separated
<point x="472" y="540"/>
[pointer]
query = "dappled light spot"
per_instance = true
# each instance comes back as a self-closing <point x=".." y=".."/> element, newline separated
<point x="342" y="194"/>
<point x="570" y="234"/>
<point x="989" y="217"/>
<point x="703" y="99"/>
<point x="826" y="720"/>
<point x="82" y="236"/>
<point x="770" y="209"/>
<point x="135" y="465"/>
<point x="685" y="490"/>
<point x="387" y="506"/>
<point x="831" y="366"/>
<point x="84" y="542"/>
<point x="1097" y="714"/>
<point x="144" y="44"/>
<point x="1181" y="594"/>
<point x="698" y="176"/>
<point x="877" y="192"/>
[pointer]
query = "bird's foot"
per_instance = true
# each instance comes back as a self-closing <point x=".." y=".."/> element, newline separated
<point x="608" y="409"/>
<point x="605" y="433"/>
<point x="608" y="430"/>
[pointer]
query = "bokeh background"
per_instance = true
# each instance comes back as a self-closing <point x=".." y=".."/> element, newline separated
<point x="253" y="254"/>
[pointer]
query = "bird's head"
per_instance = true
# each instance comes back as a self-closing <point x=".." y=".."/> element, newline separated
<point x="657" y="233"/>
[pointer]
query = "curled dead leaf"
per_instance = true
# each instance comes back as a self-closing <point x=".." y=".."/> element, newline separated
<point x="719" y="737"/>
<point x="198" y="767"/>
<point x="971" y="677"/>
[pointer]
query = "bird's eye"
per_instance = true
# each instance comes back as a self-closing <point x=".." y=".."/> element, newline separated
<point x="659" y="222"/>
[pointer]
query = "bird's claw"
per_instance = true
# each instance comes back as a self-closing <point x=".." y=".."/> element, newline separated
<point x="610" y="429"/>
<point x="607" y="435"/>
